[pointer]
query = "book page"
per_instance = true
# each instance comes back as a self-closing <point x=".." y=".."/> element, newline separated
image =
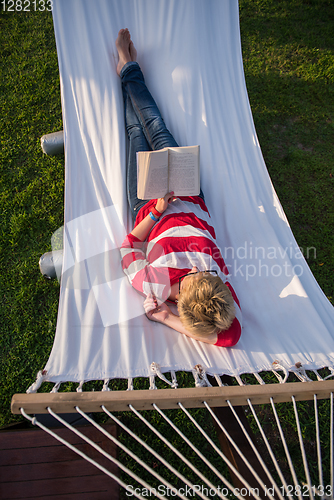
<point x="184" y="177"/>
<point x="152" y="174"/>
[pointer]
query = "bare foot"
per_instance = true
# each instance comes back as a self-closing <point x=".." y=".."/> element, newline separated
<point x="123" y="47"/>
<point x="133" y="51"/>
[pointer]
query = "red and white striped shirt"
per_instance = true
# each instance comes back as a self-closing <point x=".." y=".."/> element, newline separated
<point x="183" y="237"/>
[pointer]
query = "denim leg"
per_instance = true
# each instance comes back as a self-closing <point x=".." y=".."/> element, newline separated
<point x="145" y="126"/>
<point x="145" y="108"/>
<point x="137" y="142"/>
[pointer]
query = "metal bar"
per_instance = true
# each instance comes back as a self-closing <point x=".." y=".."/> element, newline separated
<point x="302" y="449"/>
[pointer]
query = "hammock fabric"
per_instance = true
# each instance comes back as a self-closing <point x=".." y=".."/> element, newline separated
<point x="190" y="54"/>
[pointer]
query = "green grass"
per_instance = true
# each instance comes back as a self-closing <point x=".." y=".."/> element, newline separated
<point x="288" y="51"/>
<point x="31" y="187"/>
<point x="289" y="67"/>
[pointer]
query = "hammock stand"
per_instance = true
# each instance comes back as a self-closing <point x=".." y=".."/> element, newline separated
<point x="252" y="477"/>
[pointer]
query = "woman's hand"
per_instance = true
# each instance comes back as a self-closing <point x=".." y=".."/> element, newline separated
<point x="142" y="230"/>
<point x="162" y="203"/>
<point x="156" y="310"/>
<point x="160" y="312"/>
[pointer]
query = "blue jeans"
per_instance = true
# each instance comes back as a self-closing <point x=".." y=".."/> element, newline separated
<point x="145" y="127"/>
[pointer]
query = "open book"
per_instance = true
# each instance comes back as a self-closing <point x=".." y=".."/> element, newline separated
<point x="169" y="169"/>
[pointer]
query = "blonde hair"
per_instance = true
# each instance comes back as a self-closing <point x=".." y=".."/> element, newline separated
<point x="205" y="305"/>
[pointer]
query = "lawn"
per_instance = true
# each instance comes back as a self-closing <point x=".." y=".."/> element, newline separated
<point x="288" y="52"/>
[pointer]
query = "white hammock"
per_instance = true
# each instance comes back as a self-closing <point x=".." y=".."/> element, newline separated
<point x="191" y="57"/>
<point x="190" y="54"/>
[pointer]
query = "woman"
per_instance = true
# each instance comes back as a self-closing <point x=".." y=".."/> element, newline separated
<point x="171" y="253"/>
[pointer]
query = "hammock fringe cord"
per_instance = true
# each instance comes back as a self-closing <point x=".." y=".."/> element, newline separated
<point x="199" y="374"/>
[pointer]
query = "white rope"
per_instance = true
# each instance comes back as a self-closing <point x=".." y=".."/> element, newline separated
<point x="318" y="441"/>
<point x="179" y="454"/>
<point x="34" y="421"/>
<point x="145" y="445"/>
<point x="256" y="476"/>
<point x="152" y="387"/>
<point x="41" y="376"/>
<point x="155" y="368"/>
<point x="319" y="377"/>
<point x="221" y="454"/>
<point x="219" y="381"/>
<point x="286" y="449"/>
<point x="198" y="381"/>
<point x="130" y="384"/>
<point x="250" y="441"/>
<point x="239" y="380"/>
<point x="302" y="449"/>
<point x="277" y="366"/>
<point x="272" y="456"/>
<point x="79" y="388"/>
<point x="200" y="377"/>
<point x="259" y="378"/>
<point x="196" y="450"/>
<point x="105" y="385"/>
<point x="129" y="452"/>
<point x="301" y="374"/>
<point x="174" y="380"/>
<point x="205" y="378"/>
<point x="100" y="450"/>
<point x="55" y="388"/>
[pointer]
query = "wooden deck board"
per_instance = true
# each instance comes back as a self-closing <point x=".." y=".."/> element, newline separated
<point x="35" y="465"/>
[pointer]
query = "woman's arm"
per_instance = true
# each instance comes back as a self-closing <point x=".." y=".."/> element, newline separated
<point x="142" y="230"/>
<point x="163" y="314"/>
<point x="174" y="322"/>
